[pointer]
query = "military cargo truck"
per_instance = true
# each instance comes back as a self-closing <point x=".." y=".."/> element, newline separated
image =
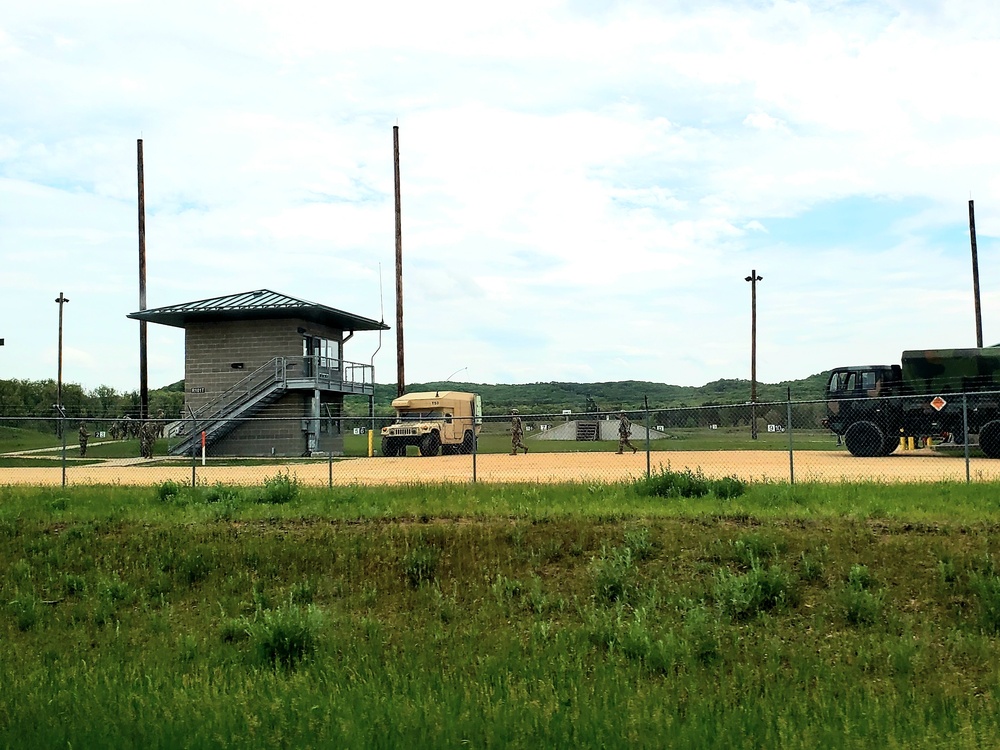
<point x="873" y="406"/>
<point x="445" y="421"/>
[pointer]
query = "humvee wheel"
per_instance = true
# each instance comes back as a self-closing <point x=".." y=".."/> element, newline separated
<point x="388" y="447"/>
<point x="430" y="444"/>
<point x="468" y="442"/>
<point x="865" y="439"/>
<point x="989" y="439"/>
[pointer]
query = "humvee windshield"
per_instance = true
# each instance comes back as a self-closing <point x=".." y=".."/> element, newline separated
<point x="419" y="415"/>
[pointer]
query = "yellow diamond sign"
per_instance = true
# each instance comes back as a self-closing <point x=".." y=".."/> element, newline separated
<point x="938" y="403"/>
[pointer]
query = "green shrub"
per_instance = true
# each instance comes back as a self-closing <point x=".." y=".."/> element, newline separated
<point x="233" y="630"/>
<point x="744" y="596"/>
<point x="420" y="565"/>
<point x="728" y="487"/>
<point x="860" y="578"/>
<point x="73" y="584"/>
<point x="167" y="491"/>
<point x="506" y="590"/>
<point x="25" y="609"/>
<point x="701" y="634"/>
<point x="753" y="548"/>
<point x="812" y="564"/>
<point x="637" y="540"/>
<point x="987" y="591"/>
<point x="220" y="493"/>
<point x="195" y="567"/>
<point x="613" y="575"/>
<point x="58" y="504"/>
<point x="303" y="592"/>
<point x="860" y="606"/>
<point x="280" y="489"/>
<point x="667" y="483"/>
<point x="286" y="635"/>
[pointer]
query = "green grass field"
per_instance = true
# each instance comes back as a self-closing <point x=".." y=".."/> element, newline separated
<point x="496" y="616"/>
<point x="12" y="439"/>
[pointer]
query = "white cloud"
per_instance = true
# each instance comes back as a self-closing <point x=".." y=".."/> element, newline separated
<point x="583" y="190"/>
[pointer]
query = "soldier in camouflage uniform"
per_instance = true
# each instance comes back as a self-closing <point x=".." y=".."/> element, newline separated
<point x="624" y="431"/>
<point x="516" y="433"/>
<point x="84" y="436"/>
<point x="147" y="436"/>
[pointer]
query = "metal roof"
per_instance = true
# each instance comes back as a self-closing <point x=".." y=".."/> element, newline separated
<point x="261" y="304"/>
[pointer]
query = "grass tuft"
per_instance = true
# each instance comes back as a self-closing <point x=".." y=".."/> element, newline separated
<point x="287" y="635"/>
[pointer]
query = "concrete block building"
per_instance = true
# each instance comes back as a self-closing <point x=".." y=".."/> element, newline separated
<point x="264" y="373"/>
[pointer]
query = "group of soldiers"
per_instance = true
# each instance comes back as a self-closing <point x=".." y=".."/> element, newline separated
<point x="517" y="433"/>
<point x="126" y="428"/>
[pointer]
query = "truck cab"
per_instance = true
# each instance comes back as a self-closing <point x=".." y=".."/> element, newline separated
<point x="859" y="396"/>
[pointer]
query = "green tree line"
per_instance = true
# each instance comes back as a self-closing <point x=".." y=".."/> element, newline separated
<point x="35" y="398"/>
<point x="553" y="397"/>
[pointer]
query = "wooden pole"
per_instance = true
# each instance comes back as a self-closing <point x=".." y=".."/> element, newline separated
<point x="143" y="379"/>
<point x="400" y="378"/>
<point x="975" y="276"/>
<point x="753" y="278"/>
<point x="61" y="300"/>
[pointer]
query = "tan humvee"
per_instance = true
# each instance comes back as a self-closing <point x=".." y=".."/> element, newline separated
<point x="446" y="421"/>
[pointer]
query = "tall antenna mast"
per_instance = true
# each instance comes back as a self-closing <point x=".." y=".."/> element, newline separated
<point x="400" y="379"/>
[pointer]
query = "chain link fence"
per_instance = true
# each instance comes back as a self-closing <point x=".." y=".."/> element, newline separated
<point x="789" y="441"/>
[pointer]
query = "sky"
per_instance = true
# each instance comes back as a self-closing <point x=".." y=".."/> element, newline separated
<point x="585" y="184"/>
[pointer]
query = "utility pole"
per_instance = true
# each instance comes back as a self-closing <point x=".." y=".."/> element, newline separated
<point x="143" y="370"/>
<point x="753" y="278"/>
<point x="60" y="300"/>
<point x="400" y="378"/>
<point x="975" y="276"/>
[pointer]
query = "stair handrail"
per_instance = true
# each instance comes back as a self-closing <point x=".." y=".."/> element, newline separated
<point x="271" y="372"/>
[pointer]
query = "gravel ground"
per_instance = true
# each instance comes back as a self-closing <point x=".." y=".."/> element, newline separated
<point x="920" y="465"/>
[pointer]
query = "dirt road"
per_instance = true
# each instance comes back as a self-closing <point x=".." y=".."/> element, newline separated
<point x="915" y="466"/>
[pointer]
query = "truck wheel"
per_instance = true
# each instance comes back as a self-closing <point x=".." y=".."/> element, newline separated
<point x="989" y="439"/>
<point x="388" y="447"/>
<point x="864" y="439"/>
<point x="468" y="442"/>
<point x="430" y="444"/>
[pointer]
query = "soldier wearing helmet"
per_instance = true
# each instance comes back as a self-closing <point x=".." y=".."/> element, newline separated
<point x="516" y="433"/>
<point x="624" y="431"/>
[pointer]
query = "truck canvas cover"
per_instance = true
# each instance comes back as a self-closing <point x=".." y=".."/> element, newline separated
<point x="934" y="371"/>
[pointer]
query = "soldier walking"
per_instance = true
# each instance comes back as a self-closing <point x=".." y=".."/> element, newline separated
<point x="516" y="433"/>
<point x="84" y="436"/>
<point x="624" y="431"/>
<point x="147" y="434"/>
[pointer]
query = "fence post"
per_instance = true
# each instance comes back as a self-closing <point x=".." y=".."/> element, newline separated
<point x="965" y="434"/>
<point x="475" y="448"/>
<point x="62" y="429"/>
<point x="329" y="446"/>
<point x="791" y="448"/>
<point x="645" y="403"/>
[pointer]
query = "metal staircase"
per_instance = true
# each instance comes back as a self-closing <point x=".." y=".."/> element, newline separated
<point x="587" y="430"/>
<point x="219" y="417"/>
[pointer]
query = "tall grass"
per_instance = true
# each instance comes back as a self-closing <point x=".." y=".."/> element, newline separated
<point x="363" y="618"/>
